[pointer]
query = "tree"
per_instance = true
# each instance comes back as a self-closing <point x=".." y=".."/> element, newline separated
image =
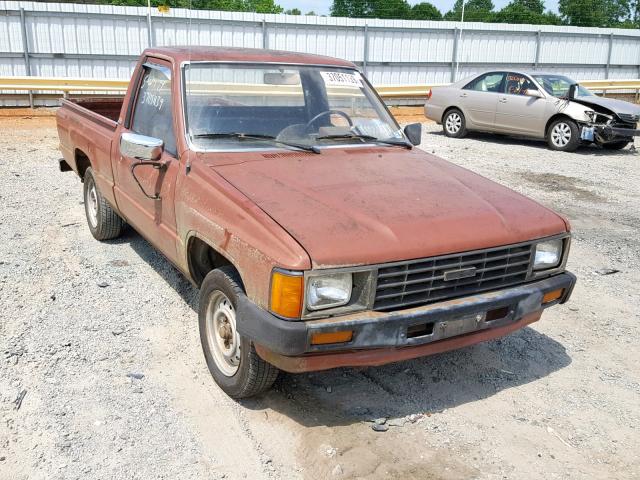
<point x="262" y="6"/>
<point x="425" y="11"/>
<point x="293" y="11"/>
<point x="526" y="11"/>
<point x="474" y="11"/>
<point x="349" y="8"/>
<point x="594" y="13"/>
<point x="311" y="13"/>
<point x="390" y="9"/>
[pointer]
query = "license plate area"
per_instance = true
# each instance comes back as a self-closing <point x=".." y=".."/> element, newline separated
<point x="425" y="332"/>
<point x="587" y="133"/>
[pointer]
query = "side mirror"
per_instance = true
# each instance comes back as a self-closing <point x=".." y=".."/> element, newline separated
<point x="141" y="147"/>
<point x="413" y="131"/>
<point x="571" y="94"/>
<point x="532" y="92"/>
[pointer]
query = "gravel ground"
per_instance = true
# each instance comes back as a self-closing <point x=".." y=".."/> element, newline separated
<point x="100" y="343"/>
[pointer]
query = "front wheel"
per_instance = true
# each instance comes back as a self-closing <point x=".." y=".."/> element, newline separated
<point x="231" y="358"/>
<point x="454" y="124"/>
<point x="564" y="135"/>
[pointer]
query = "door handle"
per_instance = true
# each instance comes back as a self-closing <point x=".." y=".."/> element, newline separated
<point x="503" y="100"/>
<point x="463" y="95"/>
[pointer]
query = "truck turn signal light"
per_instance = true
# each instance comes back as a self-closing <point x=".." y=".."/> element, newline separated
<point x="286" y="294"/>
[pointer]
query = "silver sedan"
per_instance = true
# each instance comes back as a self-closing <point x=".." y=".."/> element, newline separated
<point x="540" y="105"/>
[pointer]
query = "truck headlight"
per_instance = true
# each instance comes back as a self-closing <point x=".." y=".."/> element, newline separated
<point x="326" y="291"/>
<point x="548" y="254"/>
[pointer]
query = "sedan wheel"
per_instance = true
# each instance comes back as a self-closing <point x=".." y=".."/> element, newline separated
<point x="563" y="135"/>
<point x="454" y="124"/>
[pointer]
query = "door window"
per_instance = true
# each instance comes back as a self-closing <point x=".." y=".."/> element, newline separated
<point x="153" y="113"/>
<point x="518" y="84"/>
<point x="489" y="82"/>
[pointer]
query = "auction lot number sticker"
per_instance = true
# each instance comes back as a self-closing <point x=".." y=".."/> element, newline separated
<point x="341" y="79"/>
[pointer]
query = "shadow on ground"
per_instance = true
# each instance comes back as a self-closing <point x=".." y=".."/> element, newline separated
<point x="496" y="138"/>
<point x="426" y="385"/>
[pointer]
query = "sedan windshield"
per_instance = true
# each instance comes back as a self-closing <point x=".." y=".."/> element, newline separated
<point x="230" y="106"/>
<point x="558" y="85"/>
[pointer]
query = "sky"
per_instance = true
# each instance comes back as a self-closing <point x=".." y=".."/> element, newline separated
<point x="321" y="7"/>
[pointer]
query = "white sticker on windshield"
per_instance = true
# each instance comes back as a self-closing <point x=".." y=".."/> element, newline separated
<point x="341" y="79"/>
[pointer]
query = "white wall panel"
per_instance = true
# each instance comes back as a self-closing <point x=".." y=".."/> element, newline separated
<point x="100" y="41"/>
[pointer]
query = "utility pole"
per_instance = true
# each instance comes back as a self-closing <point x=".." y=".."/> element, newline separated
<point x="459" y="41"/>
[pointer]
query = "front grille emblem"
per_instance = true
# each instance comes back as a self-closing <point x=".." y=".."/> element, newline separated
<point x="459" y="274"/>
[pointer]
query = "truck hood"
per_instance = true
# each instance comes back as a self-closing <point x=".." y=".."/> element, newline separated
<point x="366" y="206"/>
<point x="615" y="106"/>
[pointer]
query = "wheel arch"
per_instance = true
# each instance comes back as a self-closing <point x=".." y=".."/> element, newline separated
<point x="202" y="257"/>
<point x="448" y="109"/>
<point x="555" y="117"/>
<point x="82" y="162"/>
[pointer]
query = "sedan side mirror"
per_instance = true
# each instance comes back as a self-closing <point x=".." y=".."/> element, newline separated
<point x="141" y="147"/>
<point x="413" y="131"/>
<point x="532" y="92"/>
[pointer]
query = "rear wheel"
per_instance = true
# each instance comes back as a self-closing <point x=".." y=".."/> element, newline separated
<point x="454" y="124"/>
<point x="104" y="223"/>
<point x="615" y="145"/>
<point x="563" y="135"/>
<point x="231" y="358"/>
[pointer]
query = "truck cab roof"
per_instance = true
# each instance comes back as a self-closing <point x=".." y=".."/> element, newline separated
<point x="249" y="55"/>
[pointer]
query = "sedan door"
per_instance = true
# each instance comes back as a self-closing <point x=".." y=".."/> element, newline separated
<point x="517" y="111"/>
<point x="479" y="100"/>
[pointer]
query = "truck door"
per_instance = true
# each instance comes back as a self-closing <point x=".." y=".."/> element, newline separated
<point x="145" y="195"/>
<point x="518" y="112"/>
<point x="479" y="99"/>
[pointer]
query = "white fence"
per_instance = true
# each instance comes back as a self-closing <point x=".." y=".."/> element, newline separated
<point x="98" y="41"/>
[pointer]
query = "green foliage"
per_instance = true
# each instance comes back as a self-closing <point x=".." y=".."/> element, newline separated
<point x="474" y="11"/>
<point x="371" y="9"/>
<point x="425" y="11"/>
<point x="526" y="11"/>
<point x="595" y="13"/>
<point x="293" y="11"/>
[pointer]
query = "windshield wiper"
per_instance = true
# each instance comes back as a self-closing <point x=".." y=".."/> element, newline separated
<point x="257" y="136"/>
<point x="366" y="138"/>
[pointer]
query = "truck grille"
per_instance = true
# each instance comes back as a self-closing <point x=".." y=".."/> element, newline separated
<point x="420" y="282"/>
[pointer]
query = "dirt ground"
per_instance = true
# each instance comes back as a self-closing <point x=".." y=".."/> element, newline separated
<point x="102" y="374"/>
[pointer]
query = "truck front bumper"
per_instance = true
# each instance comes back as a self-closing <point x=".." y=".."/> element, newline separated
<point x="380" y="337"/>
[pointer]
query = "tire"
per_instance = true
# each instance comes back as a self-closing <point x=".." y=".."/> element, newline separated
<point x="104" y="223"/>
<point x="454" y="124"/>
<point x="563" y="135"/>
<point x="615" y="145"/>
<point x="232" y="359"/>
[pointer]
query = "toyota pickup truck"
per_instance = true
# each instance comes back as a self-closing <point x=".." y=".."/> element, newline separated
<point x="280" y="185"/>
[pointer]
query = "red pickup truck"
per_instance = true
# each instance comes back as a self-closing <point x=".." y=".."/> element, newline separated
<point x="281" y="186"/>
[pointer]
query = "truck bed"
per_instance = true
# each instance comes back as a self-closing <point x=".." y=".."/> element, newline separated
<point x="104" y="110"/>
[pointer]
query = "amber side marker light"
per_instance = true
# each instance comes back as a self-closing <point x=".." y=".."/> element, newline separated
<point x="331" y="337"/>
<point x="552" y="295"/>
<point x="286" y="294"/>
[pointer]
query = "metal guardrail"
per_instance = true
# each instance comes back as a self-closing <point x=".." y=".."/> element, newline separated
<point x="67" y="85"/>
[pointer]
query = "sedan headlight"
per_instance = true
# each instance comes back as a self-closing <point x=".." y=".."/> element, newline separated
<point x="326" y="291"/>
<point x="548" y="254"/>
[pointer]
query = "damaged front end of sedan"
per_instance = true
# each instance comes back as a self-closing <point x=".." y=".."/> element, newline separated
<point x="610" y="123"/>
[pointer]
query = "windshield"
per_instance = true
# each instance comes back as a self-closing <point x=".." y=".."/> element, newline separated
<point x="558" y="85"/>
<point x="230" y="106"/>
